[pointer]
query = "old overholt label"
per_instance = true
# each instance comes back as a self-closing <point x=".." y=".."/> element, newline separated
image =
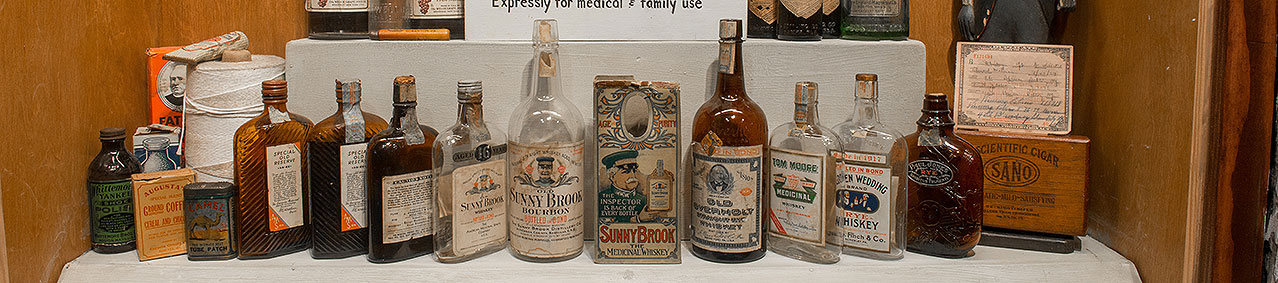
<point x="1033" y="182"/>
<point x="638" y="154"/>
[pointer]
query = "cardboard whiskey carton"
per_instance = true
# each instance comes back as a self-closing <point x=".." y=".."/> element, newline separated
<point x="1033" y="182"/>
<point x="637" y="131"/>
<point x="158" y="212"/>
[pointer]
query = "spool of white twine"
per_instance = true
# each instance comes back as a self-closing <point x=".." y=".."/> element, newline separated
<point x="220" y="97"/>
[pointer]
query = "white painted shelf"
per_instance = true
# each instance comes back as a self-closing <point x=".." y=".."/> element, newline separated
<point x="1094" y="263"/>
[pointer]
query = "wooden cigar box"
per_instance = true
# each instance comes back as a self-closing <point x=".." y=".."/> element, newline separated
<point x="1034" y="183"/>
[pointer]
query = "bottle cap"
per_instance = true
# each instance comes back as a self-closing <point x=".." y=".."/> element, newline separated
<point x="805" y="93"/>
<point x="470" y="91"/>
<point x="208" y="189"/>
<point x="348" y="90"/>
<point x="729" y="29"/>
<point x="111" y="134"/>
<point x="274" y="89"/>
<point x="867" y="86"/>
<point x="546" y="31"/>
<point x="405" y="89"/>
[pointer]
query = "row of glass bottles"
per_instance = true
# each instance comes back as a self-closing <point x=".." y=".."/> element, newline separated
<point x="362" y="19"/>
<point x="817" y="19"/>
<point x="824" y="190"/>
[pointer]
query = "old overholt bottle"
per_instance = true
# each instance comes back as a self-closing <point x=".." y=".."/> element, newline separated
<point x="730" y="135"/>
<point x="546" y="163"/>
<point x="945" y="172"/>
<point x="470" y="168"/>
<point x="400" y="185"/>
<point x="799" y="19"/>
<point x="111" y="194"/>
<point x="337" y="19"/>
<point x="270" y="171"/>
<point x="337" y="146"/>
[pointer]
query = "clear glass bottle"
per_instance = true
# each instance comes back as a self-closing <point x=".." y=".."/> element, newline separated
<point x="730" y="137"/>
<point x="110" y="189"/>
<point x="337" y="19"/>
<point x="546" y="163"/>
<point x="946" y="183"/>
<point x="272" y="215"/>
<point x="337" y="147"/>
<point x="801" y="194"/>
<point x="871" y="197"/>
<point x="400" y="184"/>
<point x="157" y="155"/>
<point x="386" y="14"/>
<point x="438" y="14"/>
<point x="470" y="168"/>
<point x="876" y="19"/>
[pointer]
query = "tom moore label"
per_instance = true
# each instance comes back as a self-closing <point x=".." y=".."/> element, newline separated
<point x="601" y="19"/>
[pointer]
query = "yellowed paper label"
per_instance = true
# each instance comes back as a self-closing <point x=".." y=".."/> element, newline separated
<point x="546" y="193"/>
<point x="726" y="203"/>
<point x="1014" y="87"/>
<point x="479" y="206"/>
<point x="802" y="8"/>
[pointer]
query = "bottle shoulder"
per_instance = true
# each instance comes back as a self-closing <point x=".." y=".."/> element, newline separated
<point x="113" y="165"/>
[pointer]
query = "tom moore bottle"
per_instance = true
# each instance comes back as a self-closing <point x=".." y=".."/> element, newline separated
<point x="945" y="188"/>
<point x="111" y="195"/>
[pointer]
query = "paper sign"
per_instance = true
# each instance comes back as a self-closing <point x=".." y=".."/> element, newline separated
<point x="1014" y="87"/>
<point x="601" y="19"/>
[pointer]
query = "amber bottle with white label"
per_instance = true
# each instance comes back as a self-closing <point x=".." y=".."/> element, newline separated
<point x="337" y="145"/>
<point x="945" y="187"/>
<point x="400" y="185"/>
<point x="270" y="171"/>
<point x="728" y="172"/>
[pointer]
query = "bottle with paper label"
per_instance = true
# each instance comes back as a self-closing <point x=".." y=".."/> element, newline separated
<point x="470" y="168"/>
<point x="728" y="169"/>
<point x="272" y="213"/>
<point x="946" y="186"/>
<point x="401" y="185"/>
<point x="337" y="19"/>
<point x="876" y="19"/>
<point x="802" y="183"/>
<point x="799" y="19"/>
<point x="110" y="191"/>
<point x="337" y="148"/>
<point x="870" y="203"/>
<point x="545" y="164"/>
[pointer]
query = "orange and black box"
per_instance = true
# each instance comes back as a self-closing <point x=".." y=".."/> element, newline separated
<point x="1034" y="183"/>
<point x="166" y="81"/>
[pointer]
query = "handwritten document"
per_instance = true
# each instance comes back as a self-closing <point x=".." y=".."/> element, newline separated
<point x="1014" y="87"/>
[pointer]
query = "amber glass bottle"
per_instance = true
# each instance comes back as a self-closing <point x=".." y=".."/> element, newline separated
<point x="799" y="19"/>
<point x="270" y="171"/>
<point x="337" y="146"/>
<point x="730" y="136"/>
<point x="111" y="194"/>
<point x="945" y="196"/>
<point x="400" y="185"/>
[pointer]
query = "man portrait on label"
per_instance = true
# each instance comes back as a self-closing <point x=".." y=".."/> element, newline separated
<point x="624" y="200"/>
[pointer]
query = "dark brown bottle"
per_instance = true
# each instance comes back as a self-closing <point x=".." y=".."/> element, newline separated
<point x="730" y="137"/>
<point x="110" y="189"/>
<point x="799" y="19"/>
<point x="761" y="20"/>
<point x="272" y="216"/>
<point x="337" y="19"/>
<point x="438" y="14"/>
<point x="337" y="148"/>
<point x="832" y="12"/>
<point x="400" y="185"/>
<point x="945" y="194"/>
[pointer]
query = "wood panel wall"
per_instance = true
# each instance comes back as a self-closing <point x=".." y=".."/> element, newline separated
<point x="68" y="77"/>
<point x="1134" y="93"/>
